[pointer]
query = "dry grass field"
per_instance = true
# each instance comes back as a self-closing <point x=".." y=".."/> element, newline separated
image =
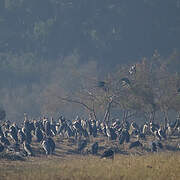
<point x="67" y="164"/>
<point x="165" y="166"/>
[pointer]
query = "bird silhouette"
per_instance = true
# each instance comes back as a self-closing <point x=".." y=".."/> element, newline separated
<point x="108" y="154"/>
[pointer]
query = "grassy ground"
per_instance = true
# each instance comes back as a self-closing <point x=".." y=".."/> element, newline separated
<point x="165" y="166"/>
<point x="67" y="163"/>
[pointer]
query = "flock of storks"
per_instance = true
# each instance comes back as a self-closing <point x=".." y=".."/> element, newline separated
<point x="84" y="132"/>
<point x="14" y="138"/>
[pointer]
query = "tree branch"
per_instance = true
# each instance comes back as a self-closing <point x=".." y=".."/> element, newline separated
<point x="77" y="102"/>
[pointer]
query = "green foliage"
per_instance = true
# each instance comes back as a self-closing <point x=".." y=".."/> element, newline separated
<point x="99" y="29"/>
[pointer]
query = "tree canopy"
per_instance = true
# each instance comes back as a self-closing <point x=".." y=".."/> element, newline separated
<point x="67" y="46"/>
<point x="107" y="30"/>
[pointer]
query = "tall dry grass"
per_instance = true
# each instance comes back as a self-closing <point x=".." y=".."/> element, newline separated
<point x="163" y="166"/>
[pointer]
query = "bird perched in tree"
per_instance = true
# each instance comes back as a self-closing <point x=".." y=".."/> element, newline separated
<point x="125" y="81"/>
<point x="108" y="154"/>
<point x="132" y="70"/>
<point x="94" y="148"/>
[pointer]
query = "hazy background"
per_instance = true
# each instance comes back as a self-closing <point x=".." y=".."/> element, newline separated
<point x="61" y="44"/>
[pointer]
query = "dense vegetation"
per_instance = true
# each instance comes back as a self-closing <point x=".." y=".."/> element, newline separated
<point x="106" y="30"/>
<point x="59" y="47"/>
